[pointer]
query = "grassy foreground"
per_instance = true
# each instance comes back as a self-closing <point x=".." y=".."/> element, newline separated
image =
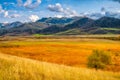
<point x="15" y="68"/>
<point x="70" y="52"/>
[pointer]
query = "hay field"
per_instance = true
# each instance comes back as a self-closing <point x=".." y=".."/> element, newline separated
<point x="16" y="68"/>
<point x="70" y="52"/>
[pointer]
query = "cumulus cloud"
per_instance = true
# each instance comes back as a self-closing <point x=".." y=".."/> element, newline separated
<point x="15" y="16"/>
<point x="33" y="18"/>
<point x="104" y="12"/>
<point x="1" y="9"/>
<point x="67" y="12"/>
<point x="6" y="13"/>
<point x="56" y="8"/>
<point x="29" y="3"/>
<point x="58" y="16"/>
<point x="70" y="13"/>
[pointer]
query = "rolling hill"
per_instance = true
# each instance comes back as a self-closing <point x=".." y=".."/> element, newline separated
<point x="55" y="20"/>
<point x="16" y="68"/>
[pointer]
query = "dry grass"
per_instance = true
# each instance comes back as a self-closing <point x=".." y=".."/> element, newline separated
<point x="72" y="52"/>
<point x="15" y="68"/>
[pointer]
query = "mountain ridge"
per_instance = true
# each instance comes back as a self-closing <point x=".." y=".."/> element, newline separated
<point x="104" y="25"/>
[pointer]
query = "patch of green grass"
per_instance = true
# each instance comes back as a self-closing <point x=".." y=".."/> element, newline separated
<point x="71" y="32"/>
<point x="115" y="29"/>
<point x="41" y="35"/>
<point x="38" y="35"/>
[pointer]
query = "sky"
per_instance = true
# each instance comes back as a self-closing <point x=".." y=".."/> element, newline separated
<point x="32" y="10"/>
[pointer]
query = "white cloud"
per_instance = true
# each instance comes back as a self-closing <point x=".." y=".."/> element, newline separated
<point x="9" y="3"/>
<point x="58" y="16"/>
<point x="118" y="11"/>
<point x="15" y="16"/>
<point x="1" y="9"/>
<point x="33" y="18"/>
<point x="56" y="8"/>
<point x="67" y="12"/>
<point x="19" y="2"/>
<point x="6" y="22"/>
<point x="30" y="4"/>
<point x="70" y="13"/>
<point x="27" y="3"/>
<point x="104" y="12"/>
<point x="6" y="13"/>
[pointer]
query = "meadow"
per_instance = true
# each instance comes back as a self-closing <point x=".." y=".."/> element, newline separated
<point x="17" y="68"/>
<point x="69" y="51"/>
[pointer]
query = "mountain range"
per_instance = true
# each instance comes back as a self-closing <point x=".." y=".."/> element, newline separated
<point x="63" y="26"/>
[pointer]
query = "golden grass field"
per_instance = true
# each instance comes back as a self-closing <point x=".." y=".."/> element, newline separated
<point x="16" y="68"/>
<point x="70" y="52"/>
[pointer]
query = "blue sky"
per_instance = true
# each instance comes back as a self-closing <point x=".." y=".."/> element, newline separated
<point x="31" y="10"/>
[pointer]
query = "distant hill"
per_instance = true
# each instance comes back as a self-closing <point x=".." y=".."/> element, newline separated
<point x="107" y="22"/>
<point x="51" y="20"/>
<point x="105" y="25"/>
<point x="11" y="25"/>
<point x="64" y="26"/>
<point x="24" y="29"/>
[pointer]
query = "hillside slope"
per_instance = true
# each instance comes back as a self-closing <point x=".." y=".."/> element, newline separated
<point x="15" y="68"/>
<point x="85" y="25"/>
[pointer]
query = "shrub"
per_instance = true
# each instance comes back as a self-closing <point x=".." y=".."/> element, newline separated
<point x="98" y="60"/>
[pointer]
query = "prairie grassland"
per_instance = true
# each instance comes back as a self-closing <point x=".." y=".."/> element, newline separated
<point x="71" y="52"/>
<point x="16" y="68"/>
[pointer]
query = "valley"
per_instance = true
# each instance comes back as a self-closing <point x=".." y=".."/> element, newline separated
<point x="59" y="39"/>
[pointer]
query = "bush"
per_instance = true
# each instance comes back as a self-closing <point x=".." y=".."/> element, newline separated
<point x="99" y="60"/>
